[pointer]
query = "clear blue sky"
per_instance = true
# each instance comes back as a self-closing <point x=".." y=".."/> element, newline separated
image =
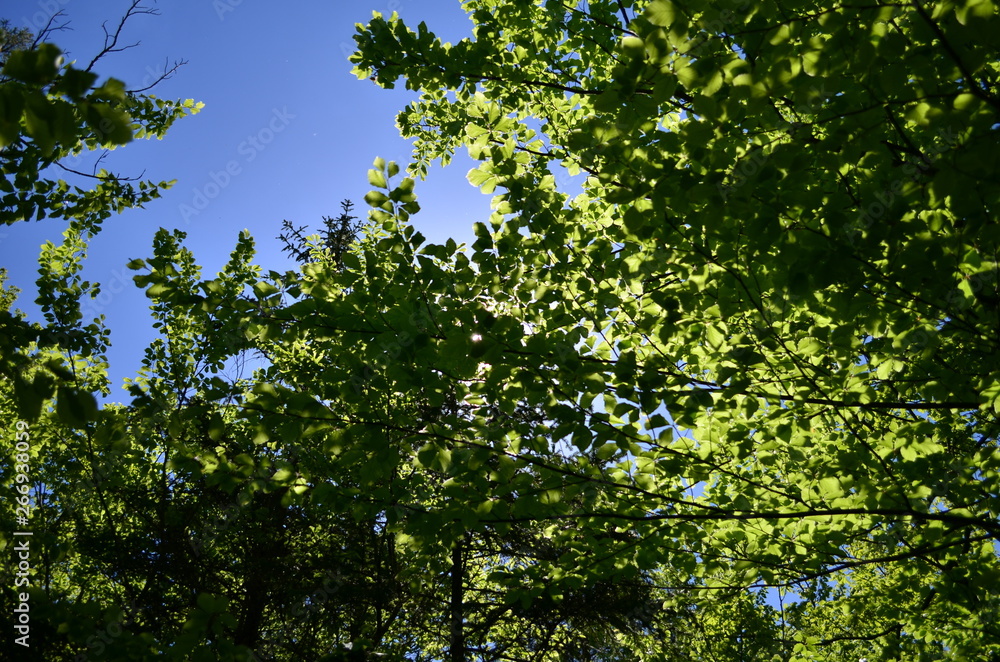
<point x="272" y="71"/>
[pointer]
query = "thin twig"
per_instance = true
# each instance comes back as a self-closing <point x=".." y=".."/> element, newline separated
<point x="111" y="39"/>
<point x="167" y="73"/>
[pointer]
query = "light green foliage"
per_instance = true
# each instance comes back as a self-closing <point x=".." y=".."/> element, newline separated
<point x="785" y="245"/>
<point x="50" y="110"/>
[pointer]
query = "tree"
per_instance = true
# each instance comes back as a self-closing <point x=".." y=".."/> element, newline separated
<point x="49" y="111"/>
<point x="52" y="110"/>
<point x="741" y="296"/>
<point x="349" y="477"/>
<point x="336" y="237"/>
<point x="13" y="39"/>
<point x="755" y="353"/>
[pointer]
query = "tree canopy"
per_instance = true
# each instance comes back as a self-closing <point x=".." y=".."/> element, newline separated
<point x="717" y="380"/>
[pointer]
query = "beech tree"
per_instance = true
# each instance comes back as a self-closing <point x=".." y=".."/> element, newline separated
<point x="775" y="296"/>
<point x="52" y="111"/>
<point x="717" y="379"/>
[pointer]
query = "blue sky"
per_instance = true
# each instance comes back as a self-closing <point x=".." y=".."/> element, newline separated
<point x="282" y="112"/>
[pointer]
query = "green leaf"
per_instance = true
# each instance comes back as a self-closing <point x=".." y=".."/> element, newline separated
<point x="75" y="408"/>
<point x="483" y="178"/>
<point x="37" y="66"/>
<point x="377" y="179"/>
<point x="433" y="456"/>
<point x="376" y="199"/>
<point x="661" y="12"/>
<point x="111" y="126"/>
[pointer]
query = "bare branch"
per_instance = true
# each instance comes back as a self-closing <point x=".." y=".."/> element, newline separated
<point x="49" y="28"/>
<point x="99" y="177"/>
<point x="111" y="39"/>
<point x="97" y="163"/>
<point x="168" y="71"/>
